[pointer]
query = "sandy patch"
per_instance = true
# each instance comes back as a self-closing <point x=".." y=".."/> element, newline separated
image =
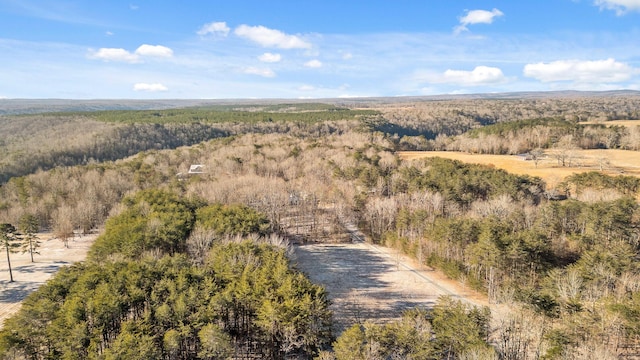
<point x="28" y="276"/>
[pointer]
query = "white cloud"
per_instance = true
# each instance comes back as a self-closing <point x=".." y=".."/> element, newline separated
<point x="122" y="55"/>
<point x="347" y="56"/>
<point x="271" y="38"/>
<point x="114" y="54"/>
<point x="270" y="58"/>
<point x="313" y="64"/>
<point x="264" y="72"/>
<point x="108" y="33"/>
<point x="598" y="71"/>
<point x="149" y="87"/>
<point x="477" y="17"/>
<point x="219" y="28"/>
<point x="621" y="7"/>
<point x="134" y="7"/>
<point x="154" y="51"/>
<point x="480" y="75"/>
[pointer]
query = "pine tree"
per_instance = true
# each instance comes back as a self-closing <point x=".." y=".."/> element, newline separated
<point x="8" y="239"/>
<point x="29" y="226"/>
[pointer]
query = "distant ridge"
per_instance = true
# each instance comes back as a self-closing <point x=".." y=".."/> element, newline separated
<point x="35" y="106"/>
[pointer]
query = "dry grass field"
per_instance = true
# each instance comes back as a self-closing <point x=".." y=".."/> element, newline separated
<point x="614" y="162"/>
<point x="625" y="123"/>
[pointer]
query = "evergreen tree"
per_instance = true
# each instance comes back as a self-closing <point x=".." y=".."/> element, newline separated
<point x="28" y="225"/>
<point x="9" y="238"/>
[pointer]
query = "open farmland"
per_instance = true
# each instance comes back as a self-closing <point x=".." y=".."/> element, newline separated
<point x="614" y="162"/>
<point x="625" y="123"/>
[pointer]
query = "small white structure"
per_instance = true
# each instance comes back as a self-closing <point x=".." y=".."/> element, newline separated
<point x="525" y="156"/>
<point x="196" y="169"/>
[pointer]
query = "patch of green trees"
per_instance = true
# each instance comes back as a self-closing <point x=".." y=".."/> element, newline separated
<point x="450" y="330"/>
<point x="139" y="296"/>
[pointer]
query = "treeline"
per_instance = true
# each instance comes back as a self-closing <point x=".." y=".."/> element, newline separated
<point x="523" y="136"/>
<point x="305" y="113"/>
<point x="528" y="135"/>
<point x="510" y="126"/>
<point x="140" y="295"/>
<point x="455" y="117"/>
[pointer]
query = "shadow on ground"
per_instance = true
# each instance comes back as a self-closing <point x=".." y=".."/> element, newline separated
<point x="16" y="291"/>
<point x="357" y="280"/>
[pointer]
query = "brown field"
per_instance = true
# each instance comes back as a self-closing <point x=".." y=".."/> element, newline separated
<point x="620" y="162"/>
<point x="626" y="123"/>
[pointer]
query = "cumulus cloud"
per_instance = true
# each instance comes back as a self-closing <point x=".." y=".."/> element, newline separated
<point x="154" y="51"/>
<point x="214" y="28"/>
<point x="149" y="87"/>
<point x="264" y="72"/>
<point x="598" y="71"/>
<point x="621" y="7"/>
<point x="480" y="75"/>
<point x="313" y="64"/>
<point x="270" y="58"/>
<point x="122" y="55"/>
<point x="114" y="54"/>
<point x="473" y="17"/>
<point x="271" y="38"/>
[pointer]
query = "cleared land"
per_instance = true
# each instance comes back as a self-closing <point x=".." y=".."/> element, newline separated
<point x="373" y="283"/>
<point x="613" y="162"/>
<point x="28" y="276"/>
<point x="625" y="123"/>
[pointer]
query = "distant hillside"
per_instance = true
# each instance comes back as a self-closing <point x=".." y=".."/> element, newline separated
<point x="34" y="106"/>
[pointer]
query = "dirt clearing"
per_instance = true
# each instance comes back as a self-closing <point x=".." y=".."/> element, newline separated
<point x="28" y="276"/>
<point x="367" y="282"/>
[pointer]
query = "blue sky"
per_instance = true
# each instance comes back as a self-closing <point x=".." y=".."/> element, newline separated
<point x="153" y="49"/>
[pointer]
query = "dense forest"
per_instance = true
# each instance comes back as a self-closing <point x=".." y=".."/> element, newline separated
<point x="140" y="296"/>
<point x="567" y="269"/>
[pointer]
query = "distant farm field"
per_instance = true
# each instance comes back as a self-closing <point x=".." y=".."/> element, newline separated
<point x="625" y="123"/>
<point x="612" y="162"/>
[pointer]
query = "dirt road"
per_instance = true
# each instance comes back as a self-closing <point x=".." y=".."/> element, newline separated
<point x="367" y="282"/>
<point x="29" y="276"/>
